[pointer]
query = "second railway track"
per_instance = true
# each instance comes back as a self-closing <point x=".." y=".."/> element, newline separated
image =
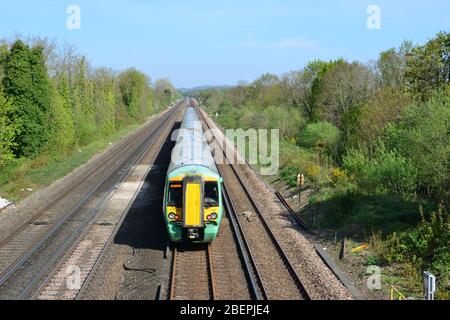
<point x="192" y="275"/>
<point x="43" y="232"/>
<point x="260" y="248"/>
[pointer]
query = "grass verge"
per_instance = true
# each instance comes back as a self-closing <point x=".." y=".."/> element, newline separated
<point x="23" y="176"/>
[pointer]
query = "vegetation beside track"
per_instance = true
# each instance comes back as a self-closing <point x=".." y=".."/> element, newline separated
<point x="22" y="175"/>
<point x="373" y="143"/>
<point x="53" y="104"/>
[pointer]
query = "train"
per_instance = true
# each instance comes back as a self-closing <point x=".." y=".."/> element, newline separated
<point x="192" y="204"/>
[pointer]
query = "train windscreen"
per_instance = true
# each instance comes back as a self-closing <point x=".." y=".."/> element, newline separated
<point x="175" y="195"/>
<point x="211" y="194"/>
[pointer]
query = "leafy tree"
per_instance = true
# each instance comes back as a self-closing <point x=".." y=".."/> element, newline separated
<point x="302" y="88"/>
<point x="423" y="136"/>
<point x="42" y="88"/>
<point x="317" y="70"/>
<point x="163" y="93"/>
<point x="266" y="90"/>
<point x="321" y="135"/>
<point x="213" y="98"/>
<point x="3" y="56"/>
<point x="135" y="94"/>
<point x="9" y="128"/>
<point x="382" y="172"/>
<point x="104" y="100"/>
<point x="392" y="65"/>
<point x="345" y="85"/>
<point x="83" y="105"/>
<point x="297" y="88"/>
<point x="428" y="66"/>
<point x="62" y="138"/>
<point x="237" y="95"/>
<point x="287" y="119"/>
<point x="362" y="125"/>
<point x="26" y="81"/>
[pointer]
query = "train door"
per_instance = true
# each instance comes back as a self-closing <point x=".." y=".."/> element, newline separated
<point x="193" y="208"/>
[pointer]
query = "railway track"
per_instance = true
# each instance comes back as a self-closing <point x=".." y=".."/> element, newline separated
<point x="260" y="249"/>
<point x="39" y="242"/>
<point x="192" y="275"/>
<point x="88" y="251"/>
<point x="252" y="274"/>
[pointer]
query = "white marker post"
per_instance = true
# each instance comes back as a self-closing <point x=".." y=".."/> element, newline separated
<point x="429" y="285"/>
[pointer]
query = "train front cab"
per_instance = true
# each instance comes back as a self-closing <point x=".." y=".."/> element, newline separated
<point x="193" y="209"/>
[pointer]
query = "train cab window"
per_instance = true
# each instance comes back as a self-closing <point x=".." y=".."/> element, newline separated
<point x="211" y="194"/>
<point x="175" y="195"/>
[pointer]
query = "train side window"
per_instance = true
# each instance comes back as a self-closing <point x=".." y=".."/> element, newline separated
<point x="175" y="195"/>
<point x="211" y="194"/>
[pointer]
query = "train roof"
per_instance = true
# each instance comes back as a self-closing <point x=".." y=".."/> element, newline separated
<point x="191" y="148"/>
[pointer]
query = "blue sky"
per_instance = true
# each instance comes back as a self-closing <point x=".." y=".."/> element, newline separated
<point x="214" y="42"/>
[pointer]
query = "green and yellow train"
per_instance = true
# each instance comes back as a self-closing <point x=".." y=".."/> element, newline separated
<point x="193" y="206"/>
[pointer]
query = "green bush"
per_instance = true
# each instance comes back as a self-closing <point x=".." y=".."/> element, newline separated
<point x="8" y="130"/>
<point x="320" y="134"/>
<point x="286" y="119"/>
<point x="425" y="247"/>
<point x="289" y="175"/>
<point x="372" y="261"/>
<point x="27" y="84"/>
<point x="62" y="139"/>
<point x="384" y="172"/>
<point x="423" y="137"/>
<point x="294" y="160"/>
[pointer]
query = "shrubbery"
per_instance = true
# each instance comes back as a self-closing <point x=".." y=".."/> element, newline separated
<point x="321" y="136"/>
<point x="426" y="247"/>
<point x="423" y="137"/>
<point x="9" y="128"/>
<point x="383" y="172"/>
<point x="371" y="139"/>
<point x="74" y="105"/>
<point x="53" y="102"/>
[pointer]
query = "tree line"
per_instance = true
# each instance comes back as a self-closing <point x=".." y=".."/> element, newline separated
<point x="53" y="101"/>
<point x="385" y="122"/>
<point x="373" y="141"/>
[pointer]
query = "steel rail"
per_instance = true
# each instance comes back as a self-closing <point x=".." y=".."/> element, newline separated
<point x="173" y="276"/>
<point x="116" y="229"/>
<point x="280" y="250"/>
<point x="210" y="268"/>
<point x="12" y="268"/>
<point x="254" y="279"/>
<point x="324" y="256"/>
<point x="300" y="222"/>
<point x="211" y="273"/>
<point x="61" y="195"/>
<point x="71" y="241"/>
<point x="257" y="289"/>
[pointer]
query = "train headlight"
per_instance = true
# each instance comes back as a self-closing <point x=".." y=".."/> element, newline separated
<point x="212" y="216"/>
<point x="172" y="216"/>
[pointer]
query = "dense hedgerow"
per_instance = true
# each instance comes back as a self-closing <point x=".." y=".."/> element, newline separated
<point x="51" y="106"/>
